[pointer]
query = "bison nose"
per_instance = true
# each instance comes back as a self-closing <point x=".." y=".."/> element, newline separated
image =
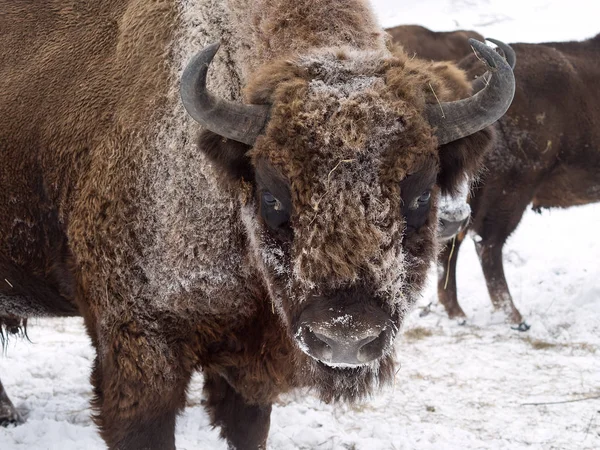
<point x="345" y="327"/>
<point x="449" y="228"/>
<point x="333" y="346"/>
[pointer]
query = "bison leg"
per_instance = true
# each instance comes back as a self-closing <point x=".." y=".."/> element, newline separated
<point x="496" y="213"/>
<point x="490" y="256"/>
<point x="447" y="291"/>
<point x="8" y="413"/>
<point x="139" y="387"/>
<point x="243" y="425"/>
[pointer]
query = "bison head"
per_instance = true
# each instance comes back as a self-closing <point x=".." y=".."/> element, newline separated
<point x="339" y="158"/>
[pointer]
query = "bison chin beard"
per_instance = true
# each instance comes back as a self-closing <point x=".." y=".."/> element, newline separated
<point x="349" y="384"/>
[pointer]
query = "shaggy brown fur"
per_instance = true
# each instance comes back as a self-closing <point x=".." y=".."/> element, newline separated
<point x="110" y="211"/>
<point x="547" y="154"/>
<point x="433" y="45"/>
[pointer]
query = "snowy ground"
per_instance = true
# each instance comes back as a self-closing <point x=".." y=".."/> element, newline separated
<point x="459" y="387"/>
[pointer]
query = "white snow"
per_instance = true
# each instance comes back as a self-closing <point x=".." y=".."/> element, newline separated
<point x="458" y="387"/>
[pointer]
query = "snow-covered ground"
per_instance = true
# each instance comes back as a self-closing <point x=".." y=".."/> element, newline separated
<point x="458" y="387"/>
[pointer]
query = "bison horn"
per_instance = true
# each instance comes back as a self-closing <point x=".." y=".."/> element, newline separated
<point x="461" y="118"/>
<point x="510" y="56"/>
<point x="509" y="53"/>
<point x="242" y="123"/>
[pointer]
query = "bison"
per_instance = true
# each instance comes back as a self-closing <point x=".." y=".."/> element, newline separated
<point x="546" y="153"/>
<point x="271" y="228"/>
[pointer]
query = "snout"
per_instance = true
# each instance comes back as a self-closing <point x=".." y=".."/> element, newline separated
<point x="454" y="213"/>
<point x="348" y="335"/>
<point x="450" y="228"/>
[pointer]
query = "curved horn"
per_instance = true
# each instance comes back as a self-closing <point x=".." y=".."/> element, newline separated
<point x="509" y="53"/>
<point x="242" y="123"/>
<point x="455" y="120"/>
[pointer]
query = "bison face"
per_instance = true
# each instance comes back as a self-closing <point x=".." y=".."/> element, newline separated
<point x="338" y="181"/>
<point x="342" y="217"/>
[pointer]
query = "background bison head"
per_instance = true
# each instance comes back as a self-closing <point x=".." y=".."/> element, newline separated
<point x="338" y="162"/>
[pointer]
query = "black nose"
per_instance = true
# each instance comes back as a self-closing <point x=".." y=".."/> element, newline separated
<point x="449" y="228"/>
<point x="346" y="328"/>
<point x="334" y="346"/>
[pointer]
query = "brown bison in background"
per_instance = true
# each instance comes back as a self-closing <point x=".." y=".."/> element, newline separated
<point x="546" y="153"/>
<point x="434" y="45"/>
<point x="278" y="245"/>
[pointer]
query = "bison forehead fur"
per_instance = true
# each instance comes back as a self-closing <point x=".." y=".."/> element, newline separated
<point x="331" y="138"/>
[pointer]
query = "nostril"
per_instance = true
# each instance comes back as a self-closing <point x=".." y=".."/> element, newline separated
<point x="447" y="225"/>
<point x="327" y="340"/>
<point x="318" y="344"/>
<point x="448" y="228"/>
<point x="371" y="348"/>
<point x="367" y="341"/>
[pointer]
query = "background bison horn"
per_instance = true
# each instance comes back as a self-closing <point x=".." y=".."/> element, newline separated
<point x="458" y="119"/>
<point x="510" y="56"/>
<point x="509" y="53"/>
<point x="242" y="123"/>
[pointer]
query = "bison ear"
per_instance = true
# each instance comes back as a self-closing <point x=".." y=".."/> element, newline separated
<point x="227" y="156"/>
<point x="462" y="160"/>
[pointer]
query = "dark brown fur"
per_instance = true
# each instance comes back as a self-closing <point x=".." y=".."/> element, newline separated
<point x="547" y="154"/>
<point x="171" y="278"/>
<point x="433" y="45"/>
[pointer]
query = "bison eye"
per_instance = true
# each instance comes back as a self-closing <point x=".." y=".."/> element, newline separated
<point x="271" y="201"/>
<point x="421" y="201"/>
<point x="417" y="211"/>
<point x="273" y="212"/>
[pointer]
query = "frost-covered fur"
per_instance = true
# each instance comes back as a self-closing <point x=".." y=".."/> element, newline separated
<point x="110" y="210"/>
